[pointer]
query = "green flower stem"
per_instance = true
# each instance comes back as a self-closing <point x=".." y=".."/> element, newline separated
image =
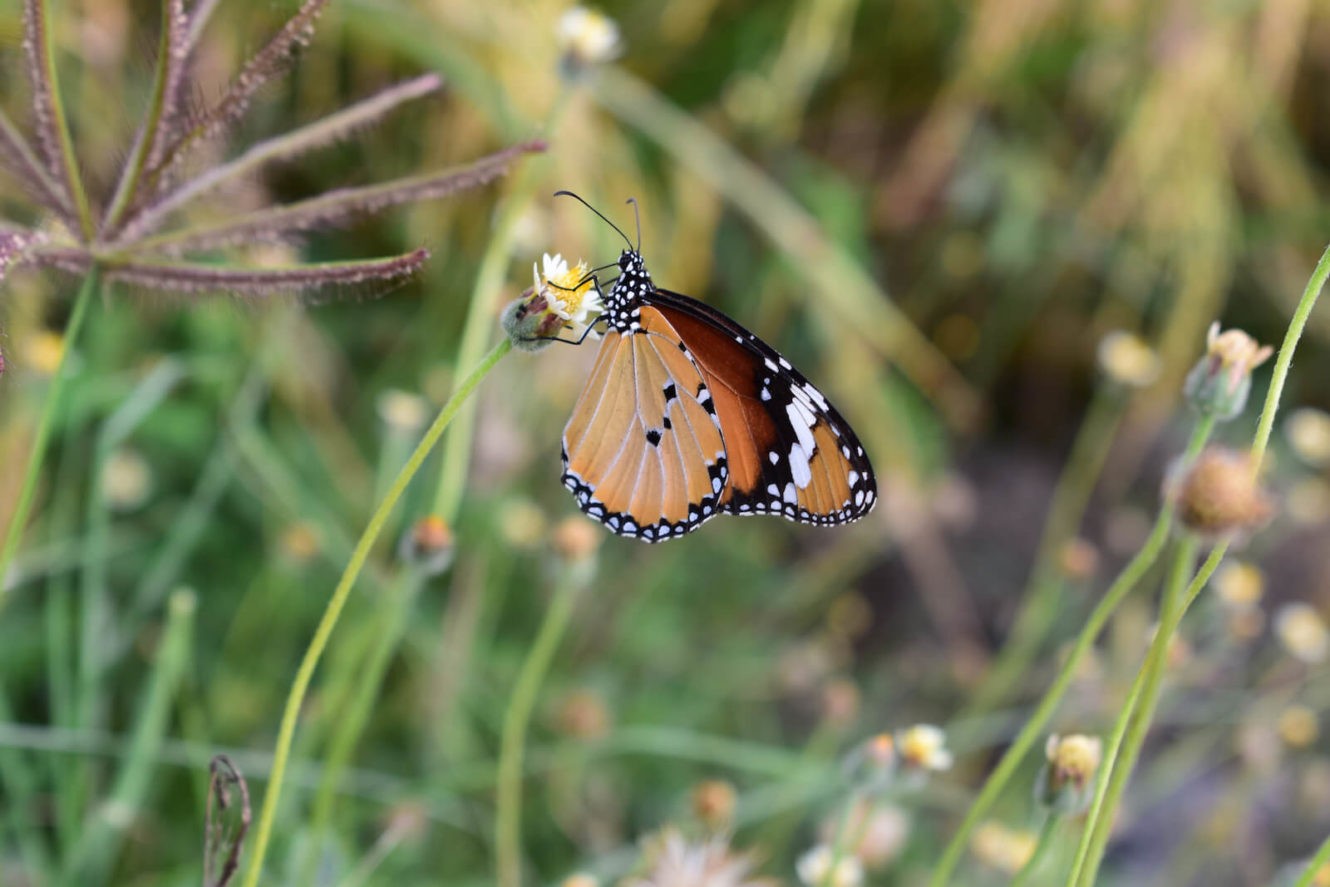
<point x="353" y="718"/>
<point x="1133" y="723"/>
<point x="1295" y="327"/>
<point x="90" y="862"/>
<point x="1317" y="862"/>
<point x="263" y="832"/>
<point x="1034" y="727"/>
<point x="1039" y="607"/>
<point x="844" y="839"/>
<point x="1046" y="835"/>
<point x="508" y="806"/>
<point x="54" y="395"/>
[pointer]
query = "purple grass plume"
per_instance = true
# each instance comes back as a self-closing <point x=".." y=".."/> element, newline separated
<point x="139" y="235"/>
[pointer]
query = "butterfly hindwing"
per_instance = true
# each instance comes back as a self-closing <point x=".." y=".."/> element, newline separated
<point x="643" y="451"/>
<point x="789" y="452"/>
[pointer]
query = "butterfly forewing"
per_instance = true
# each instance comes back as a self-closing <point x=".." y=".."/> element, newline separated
<point x="789" y="452"/>
<point x="642" y="451"/>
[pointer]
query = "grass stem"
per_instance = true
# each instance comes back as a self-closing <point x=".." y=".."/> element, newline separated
<point x="299" y="687"/>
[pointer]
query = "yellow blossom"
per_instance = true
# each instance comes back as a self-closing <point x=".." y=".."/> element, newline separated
<point x="1302" y="632"/>
<point x="44" y="351"/>
<point x="402" y="411"/>
<point x="1005" y="849"/>
<point x="1239" y="584"/>
<point x="1298" y="726"/>
<point x="1128" y="360"/>
<point x="1308" y="433"/>
<point x="126" y="480"/>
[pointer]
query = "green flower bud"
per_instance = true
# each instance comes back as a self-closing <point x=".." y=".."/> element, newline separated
<point x="1219" y="384"/>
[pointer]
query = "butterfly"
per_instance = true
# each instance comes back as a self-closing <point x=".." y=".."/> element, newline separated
<point x="686" y="415"/>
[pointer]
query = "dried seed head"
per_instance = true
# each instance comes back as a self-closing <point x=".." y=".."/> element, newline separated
<point x="714" y="802"/>
<point x="583" y="714"/>
<point x="428" y="545"/>
<point x="1217" y="496"/>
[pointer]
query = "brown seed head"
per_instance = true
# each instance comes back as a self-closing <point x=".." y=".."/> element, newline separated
<point x="1217" y="496"/>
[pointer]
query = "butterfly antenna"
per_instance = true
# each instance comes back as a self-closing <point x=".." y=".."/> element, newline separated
<point x="597" y="212"/>
<point x="637" y="220"/>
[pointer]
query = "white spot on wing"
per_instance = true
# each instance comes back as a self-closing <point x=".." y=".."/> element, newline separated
<point x="799" y="467"/>
<point x="802" y="422"/>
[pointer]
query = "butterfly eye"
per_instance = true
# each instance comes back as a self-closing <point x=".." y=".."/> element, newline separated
<point x="625" y="260"/>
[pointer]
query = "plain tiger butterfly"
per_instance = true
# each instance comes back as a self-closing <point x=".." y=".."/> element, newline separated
<point x="687" y="415"/>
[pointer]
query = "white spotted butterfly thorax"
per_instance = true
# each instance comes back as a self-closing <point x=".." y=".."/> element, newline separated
<point x="686" y="415"/>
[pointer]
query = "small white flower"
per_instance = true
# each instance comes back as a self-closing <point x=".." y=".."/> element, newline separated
<point x="588" y="37"/>
<point x="815" y="868"/>
<point x="570" y="294"/>
<point x="924" y="747"/>
<point x="672" y="861"/>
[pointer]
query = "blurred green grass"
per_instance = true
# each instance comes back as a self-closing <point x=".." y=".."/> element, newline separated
<point x="1018" y="176"/>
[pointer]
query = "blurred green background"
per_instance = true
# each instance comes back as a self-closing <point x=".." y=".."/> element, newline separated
<point x="936" y="210"/>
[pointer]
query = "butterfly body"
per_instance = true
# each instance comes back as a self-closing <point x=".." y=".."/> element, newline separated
<point x="687" y="415"/>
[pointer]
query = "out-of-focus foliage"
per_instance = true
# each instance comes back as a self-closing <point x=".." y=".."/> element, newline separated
<point x="937" y="210"/>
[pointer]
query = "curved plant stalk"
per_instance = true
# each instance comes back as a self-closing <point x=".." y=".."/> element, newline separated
<point x="54" y="396"/>
<point x="508" y="805"/>
<point x="1133" y="722"/>
<point x="333" y="611"/>
<point x="1043" y="713"/>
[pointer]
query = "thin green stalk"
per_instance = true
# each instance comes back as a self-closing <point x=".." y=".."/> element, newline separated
<point x="508" y="806"/>
<point x="1046" y="835"/>
<point x="291" y="713"/>
<point x="91" y="861"/>
<point x="20" y="780"/>
<point x="1133" y="722"/>
<point x="387" y="633"/>
<point x="1114" y="776"/>
<point x="54" y="396"/>
<point x="843" y="839"/>
<point x="1034" y="727"/>
<point x="1314" y="865"/>
<point x="1039" y="607"/>
<point x="1285" y="359"/>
